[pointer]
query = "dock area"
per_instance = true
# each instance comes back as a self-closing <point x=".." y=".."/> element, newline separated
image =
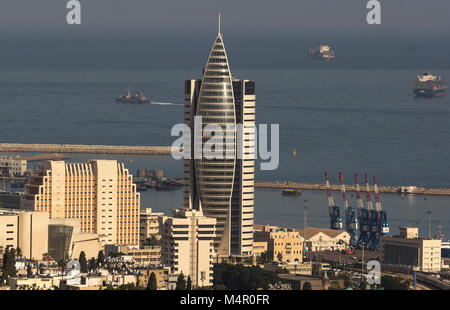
<point x="86" y="149"/>
<point x="350" y="188"/>
<point x="41" y="157"/>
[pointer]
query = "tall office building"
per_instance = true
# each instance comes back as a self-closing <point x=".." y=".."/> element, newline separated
<point x="100" y="193"/>
<point x="222" y="188"/>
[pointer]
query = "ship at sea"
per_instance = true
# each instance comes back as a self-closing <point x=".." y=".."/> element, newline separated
<point x="291" y="192"/>
<point x="323" y="52"/>
<point x="133" y="98"/>
<point x="428" y="85"/>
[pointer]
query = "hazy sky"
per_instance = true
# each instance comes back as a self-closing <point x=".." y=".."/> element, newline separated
<point x="149" y="34"/>
<point x="238" y="15"/>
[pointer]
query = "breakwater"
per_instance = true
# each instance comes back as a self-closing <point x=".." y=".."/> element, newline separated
<point x="86" y="149"/>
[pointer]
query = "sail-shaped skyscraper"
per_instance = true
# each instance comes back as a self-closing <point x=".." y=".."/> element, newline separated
<point x="222" y="188"/>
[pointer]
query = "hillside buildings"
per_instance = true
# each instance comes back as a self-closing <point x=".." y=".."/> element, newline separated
<point x="314" y="239"/>
<point x="222" y="188"/>
<point x="36" y="234"/>
<point x="187" y="242"/>
<point x="100" y="193"/>
<point x="149" y="226"/>
<point x="285" y="245"/>
<point x="408" y="249"/>
<point x="26" y="230"/>
<point x="10" y="166"/>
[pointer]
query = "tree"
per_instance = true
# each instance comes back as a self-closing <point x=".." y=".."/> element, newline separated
<point x="18" y="252"/>
<point x="307" y="286"/>
<point x="280" y="257"/>
<point x="181" y="283"/>
<point x="151" y="241"/>
<point x="100" y="258"/>
<point x="62" y="263"/>
<point x="92" y="264"/>
<point x="265" y="257"/>
<point x="83" y="262"/>
<point x="29" y="271"/>
<point x="395" y="283"/>
<point x="239" y="277"/>
<point x="151" y="285"/>
<point x="189" y="283"/>
<point x="9" y="265"/>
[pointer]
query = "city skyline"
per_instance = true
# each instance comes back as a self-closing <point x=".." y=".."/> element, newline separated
<point x="339" y="91"/>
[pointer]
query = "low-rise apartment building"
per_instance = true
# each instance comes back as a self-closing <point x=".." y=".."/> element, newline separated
<point x="285" y="245"/>
<point x="408" y="249"/>
<point x="10" y="166"/>
<point x="148" y="226"/>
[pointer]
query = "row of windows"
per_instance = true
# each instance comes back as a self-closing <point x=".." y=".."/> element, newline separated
<point x="217" y="86"/>
<point x="223" y="107"/>
<point x="217" y="93"/>
<point x="218" y="100"/>
<point x="218" y="66"/>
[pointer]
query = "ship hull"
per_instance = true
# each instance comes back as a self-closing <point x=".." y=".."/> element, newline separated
<point x="427" y="92"/>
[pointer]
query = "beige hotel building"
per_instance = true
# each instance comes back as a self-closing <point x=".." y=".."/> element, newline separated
<point x="100" y="193"/>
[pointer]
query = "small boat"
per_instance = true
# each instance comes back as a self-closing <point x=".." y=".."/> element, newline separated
<point x="291" y="192"/>
<point x="135" y="98"/>
<point x="323" y="52"/>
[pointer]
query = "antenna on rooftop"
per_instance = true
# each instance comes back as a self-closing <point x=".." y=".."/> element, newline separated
<point x="219" y="23"/>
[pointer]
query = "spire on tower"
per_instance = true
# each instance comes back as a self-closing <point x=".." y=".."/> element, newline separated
<point x="219" y="24"/>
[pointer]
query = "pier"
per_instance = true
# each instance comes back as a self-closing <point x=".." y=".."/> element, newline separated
<point x="85" y="149"/>
<point x="322" y="187"/>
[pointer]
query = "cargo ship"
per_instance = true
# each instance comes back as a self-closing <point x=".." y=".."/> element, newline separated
<point x="132" y="98"/>
<point x="428" y="85"/>
<point x="323" y="52"/>
<point x="291" y="192"/>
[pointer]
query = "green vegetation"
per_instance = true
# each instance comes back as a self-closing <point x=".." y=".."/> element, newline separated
<point x="9" y="265"/>
<point x="83" y="262"/>
<point x="307" y="286"/>
<point x="395" y="283"/>
<point x="92" y="264"/>
<point x="344" y="276"/>
<point x="100" y="259"/>
<point x="265" y="257"/>
<point x="189" y="283"/>
<point x="239" y="277"/>
<point x="181" y="283"/>
<point x="62" y="263"/>
<point x="151" y="241"/>
<point x="129" y="286"/>
<point x="280" y="257"/>
<point x="29" y="271"/>
<point x="151" y="285"/>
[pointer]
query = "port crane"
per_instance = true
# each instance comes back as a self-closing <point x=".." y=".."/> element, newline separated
<point x="334" y="211"/>
<point x="365" y="229"/>
<point x="359" y="205"/>
<point x="351" y="216"/>
<point x="381" y="217"/>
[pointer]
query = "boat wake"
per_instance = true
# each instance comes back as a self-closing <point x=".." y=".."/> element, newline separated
<point x="163" y="103"/>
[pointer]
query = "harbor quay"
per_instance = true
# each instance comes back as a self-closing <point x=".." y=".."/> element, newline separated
<point x="382" y="189"/>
